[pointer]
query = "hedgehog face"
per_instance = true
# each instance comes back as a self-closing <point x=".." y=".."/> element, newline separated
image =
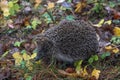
<point x="44" y="46"/>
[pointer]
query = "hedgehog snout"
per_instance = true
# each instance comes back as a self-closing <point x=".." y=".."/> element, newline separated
<point x="39" y="56"/>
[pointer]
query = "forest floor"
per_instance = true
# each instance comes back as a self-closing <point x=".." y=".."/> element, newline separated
<point x="20" y="20"/>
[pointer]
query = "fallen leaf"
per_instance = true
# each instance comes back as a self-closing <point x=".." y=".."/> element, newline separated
<point x="116" y="31"/>
<point x="26" y="23"/>
<point x="60" y="1"/>
<point x="6" y="12"/>
<point x="84" y="72"/>
<point x="37" y="2"/>
<point x="68" y="74"/>
<point x="66" y="5"/>
<point x="70" y="70"/>
<point x="26" y="56"/>
<point x="18" y="58"/>
<point x="29" y="65"/>
<point x="108" y="47"/>
<point x="11" y="25"/>
<point x="108" y="22"/>
<point x="50" y="5"/>
<point x="4" y="7"/>
<point x="116" y="50"/>
<point x="80" y="6"/>
<point x="96" y="73"/>
<point x="116" y="15"/>
<point x="33" y="55"/>
<point x="100" y="23"/>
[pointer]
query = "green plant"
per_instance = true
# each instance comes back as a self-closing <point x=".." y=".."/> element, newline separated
<point x="13" y="7"/>
<point x="104" y="55"/>
<point x="92" y="59"/>
<point x="98" y="6"/>
<point x="18" y="43"/>
<point x="115" y="40"/>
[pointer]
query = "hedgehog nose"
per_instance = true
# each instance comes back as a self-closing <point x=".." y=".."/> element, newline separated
<point x="37" y="58"/>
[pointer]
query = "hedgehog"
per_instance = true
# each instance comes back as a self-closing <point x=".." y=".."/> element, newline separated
<point x="69" y="41"/>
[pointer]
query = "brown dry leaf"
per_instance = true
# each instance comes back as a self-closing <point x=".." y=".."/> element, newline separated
<point x="3" y="4"/>
<point x="26" y="23"/>
<point x="80" y="6"/>
<point x="116" y="15"/>
<point x="37" y="2"/>
<point x="96" y="73"/>
<point x="68" y="74"/>
<point x="116" y="50"/>
<point x="69" y="70"/>
<point x="116" y="31"/>
<point x="50" y="5"/>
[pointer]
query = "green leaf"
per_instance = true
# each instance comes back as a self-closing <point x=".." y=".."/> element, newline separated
<point x="47" y="17"/>
<point x="95" y="57"/>
<point x="10" y="4"/>
<point x="112" y="4"/>
<point x="23" y="63"/>
<point x="90" y="60"/>
<point x="115" y="40"/>
<point x="16" y="7"/>
<point x="28" y="78"/>
<point x="12" y="11"/>
<point x="17" y="43"/>
<point x="15" y="1"/>
<point x="104" y="55"/>
<point x="70" y="17"/>
<point x="29" y="26"/>
<point x="23" y="51"/>
<point x="34" y="24"/>
<point x="69" y="1"/>
<point x="78" y="65"/>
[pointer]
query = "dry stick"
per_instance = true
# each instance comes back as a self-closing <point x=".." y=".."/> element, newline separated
<point x="73" y="13"/>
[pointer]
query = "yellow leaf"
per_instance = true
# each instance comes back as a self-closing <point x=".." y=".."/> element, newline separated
<point x="37" y="2"/>
<point x="108" y="47"/>
<point x="79" y="71"/>
<point x="116" y="50"/>
<point x="84" y="73"/>
<point x="108" y="22"/>
<point x="50" y="5"/>
<point x="4" y="7"/>
<point x="100" y="23"/>
<point x="116" y="31"/>
<point x="26" y="56"/>
<point x="16" y="55"/>
<point x="38" y="62"/>
<point x="80" y="6"/>
<point x="33" y="55"/>
<point x="6" y="12"/>
<point x="18" y="58"/>
<point x="96" y="73"/>
<point x="29" y="65"/>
